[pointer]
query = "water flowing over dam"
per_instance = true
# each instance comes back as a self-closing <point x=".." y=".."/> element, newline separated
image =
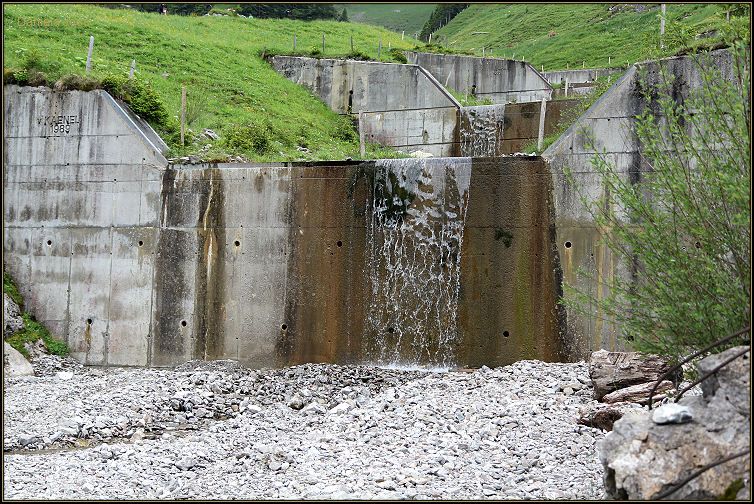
<point x="415" y="241"/>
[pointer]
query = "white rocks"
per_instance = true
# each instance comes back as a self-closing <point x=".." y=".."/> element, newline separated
<point x="15" y="364"/>
<point x="362" y="433"/>
<point x="671" y="413"/>
<point x="64" y="375"/>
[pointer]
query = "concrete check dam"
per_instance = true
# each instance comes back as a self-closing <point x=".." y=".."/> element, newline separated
<point x="132" y="261"/>
<point x="451" y="260"/>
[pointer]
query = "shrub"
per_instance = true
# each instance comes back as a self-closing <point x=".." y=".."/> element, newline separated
<point x="344" y="130"/>
<point x="358" y="55"/>
<point x="682" y="231"/>
<point x="140" y="96"/>
<point x="399" y="56"/>
<point x="21" y="77"/>
<point x="252" y="137"/>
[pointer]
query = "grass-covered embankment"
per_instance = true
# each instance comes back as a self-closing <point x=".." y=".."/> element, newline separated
<point x="590" y="35"/>
<point x="230" y="88"/>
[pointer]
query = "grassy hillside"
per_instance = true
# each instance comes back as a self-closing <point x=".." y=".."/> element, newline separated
<point x="264" y="117"/>
<point x="232" y="90"/>
<point x="593" y="35"/>
<point x="408" y="18"/>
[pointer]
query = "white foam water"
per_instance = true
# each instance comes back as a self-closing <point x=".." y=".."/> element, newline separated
<point x="416" y="235"/>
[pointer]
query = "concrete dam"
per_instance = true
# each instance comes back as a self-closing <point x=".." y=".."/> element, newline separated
<point x="131" y="261"/>
<point x="444" y="261"/>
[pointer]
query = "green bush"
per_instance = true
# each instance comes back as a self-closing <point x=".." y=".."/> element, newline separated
<point x="249" y="138"/>
<point x="358" y="55"/>
<point x="344" y="130"/>
<point x="398" y="56"/>
<point x="21" y="77"/>
<point x="141" y="97"/>
<point x="682" y="230"/>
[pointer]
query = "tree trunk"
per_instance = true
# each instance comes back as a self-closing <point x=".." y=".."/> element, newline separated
<point x="611" y="371"/>
<point x="640" y="393"/>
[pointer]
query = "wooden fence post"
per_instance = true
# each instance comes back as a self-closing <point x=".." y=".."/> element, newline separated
<point x="294" y="43"/>
<point x="662" y="25"/>
<point x="542" y="111"/>
<point x="379" y="51"/>
<point x="89" y="58"/>
<point x="323" y="44"/>
<point x="351" y="43"/>
<point x="133" y="67"/>
<point x="183" y="112"/>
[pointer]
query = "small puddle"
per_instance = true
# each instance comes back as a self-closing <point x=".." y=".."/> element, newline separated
<point x="86" y="443"/>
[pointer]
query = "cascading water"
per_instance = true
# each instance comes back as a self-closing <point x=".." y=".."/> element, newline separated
<point x="416" y="234"/>
<point x="481" y="131"/>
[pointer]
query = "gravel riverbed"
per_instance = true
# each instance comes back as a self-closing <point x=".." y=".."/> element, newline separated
<point x="217" y="430"/>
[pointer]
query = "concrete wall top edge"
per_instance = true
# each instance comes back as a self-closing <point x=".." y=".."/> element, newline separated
<point x="308" y="164"/>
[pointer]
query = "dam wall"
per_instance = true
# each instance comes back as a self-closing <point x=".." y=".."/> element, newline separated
<point x="135" y="262"/>
<point x="403" y="105"/>
<point x="407" y="107"/>
<point x="498" y="130"/>
<point x="499" y="80"/>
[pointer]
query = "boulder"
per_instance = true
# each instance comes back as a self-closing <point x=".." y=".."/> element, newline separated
<point x="12" y="320"/>
<point x="602" y="419"/>
<point x="611" y="371"/>
<point x="14" y="363"/>
<point x="36" y="348"/>
<point x="643" y="458"/>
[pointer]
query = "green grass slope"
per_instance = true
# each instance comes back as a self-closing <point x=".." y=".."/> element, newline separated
<point x="592" y="35"/>
<point x="231" y="89"/>
<point x="262" y="116"/>
<point x="399" y="18"/>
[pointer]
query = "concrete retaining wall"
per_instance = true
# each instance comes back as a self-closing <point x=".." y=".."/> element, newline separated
<point x="499" y="80"/>
<point x="580" y="75"/>
<point x="81" y="209"/>
<point x="497" y="130"/>
<point x="610" y="119"/>
<point x="447" y="261"/>
<point x="404" y="106"/>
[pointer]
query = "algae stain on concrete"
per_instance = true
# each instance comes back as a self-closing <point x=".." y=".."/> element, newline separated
<point x="210" y="274"/>
<point x="522" y="315"/>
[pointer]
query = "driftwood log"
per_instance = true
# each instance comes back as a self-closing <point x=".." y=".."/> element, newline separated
<point x="640" y="393"/>
<point x="611" y="371"/>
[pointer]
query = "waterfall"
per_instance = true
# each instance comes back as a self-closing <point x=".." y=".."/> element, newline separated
<point x="481" y="131"/>
<point x="416" y="234"/>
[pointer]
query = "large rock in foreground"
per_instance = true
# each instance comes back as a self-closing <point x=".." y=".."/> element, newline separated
<point x="643" y="459"/>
